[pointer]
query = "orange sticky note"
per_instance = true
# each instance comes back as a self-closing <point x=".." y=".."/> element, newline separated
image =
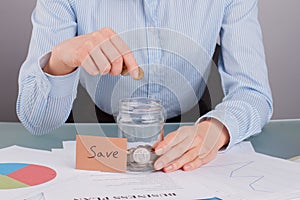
<point x="101" y="153"/>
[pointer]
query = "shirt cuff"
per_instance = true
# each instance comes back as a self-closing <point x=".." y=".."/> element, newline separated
<point x="61" y="86"/>
<point x="228" y="120"/>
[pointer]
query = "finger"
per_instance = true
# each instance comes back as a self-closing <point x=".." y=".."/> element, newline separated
<point x="165" y="145"/>
<point x="125" y="73"/>
<point x="174" y="153"/>
<point x="102" y="39"/>
<point x="201" y="160"/>
<point x="174" y="138"/>
<point x="113" y="56"/>
<point x="89" y="65"/>
<point x="188" y="157"/>
<point x="132" y="66"/>
<point x="128" y="56"/>
<point x="101" y="61"/>
<point x="119" y="43"/>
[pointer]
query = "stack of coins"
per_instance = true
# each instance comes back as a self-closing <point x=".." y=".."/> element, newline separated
<point x="141" y="158"/>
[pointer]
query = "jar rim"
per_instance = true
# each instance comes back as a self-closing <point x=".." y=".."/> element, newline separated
<point x="140" y="105"/>
<point x="134" y="99"/>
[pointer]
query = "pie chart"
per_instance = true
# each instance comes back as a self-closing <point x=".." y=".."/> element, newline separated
<point x="20" y="175"/>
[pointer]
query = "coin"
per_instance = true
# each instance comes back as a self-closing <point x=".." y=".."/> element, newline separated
<point x="141" y="155"/>
<point x="125" y="73"/>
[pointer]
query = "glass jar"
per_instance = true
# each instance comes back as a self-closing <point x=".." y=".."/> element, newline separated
<point x="140" y="121"/>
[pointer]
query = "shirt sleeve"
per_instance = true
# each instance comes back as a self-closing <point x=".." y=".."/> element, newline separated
<point x="247" y="105"/>
<point x="44" y="101"/>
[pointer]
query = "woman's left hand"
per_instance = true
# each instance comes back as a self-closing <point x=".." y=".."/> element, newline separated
<point x="190" y="147"/>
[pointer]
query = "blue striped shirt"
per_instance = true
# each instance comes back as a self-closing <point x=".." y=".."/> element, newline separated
<point x="172" y="40"/>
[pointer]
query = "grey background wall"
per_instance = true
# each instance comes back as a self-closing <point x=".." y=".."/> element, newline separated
<point x="15" y="31"/>
<point x="280" y="22"/>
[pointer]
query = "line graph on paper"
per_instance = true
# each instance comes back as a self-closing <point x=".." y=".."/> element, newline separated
<point x="237" y="173"/>
<point x="234" y="173"/>
<point x="254" y="173"/>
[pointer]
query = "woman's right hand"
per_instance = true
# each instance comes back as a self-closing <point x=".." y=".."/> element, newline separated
<point x="101" y="52"/>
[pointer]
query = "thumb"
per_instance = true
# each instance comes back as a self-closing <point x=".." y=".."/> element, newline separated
<point x="136" y="73"/>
